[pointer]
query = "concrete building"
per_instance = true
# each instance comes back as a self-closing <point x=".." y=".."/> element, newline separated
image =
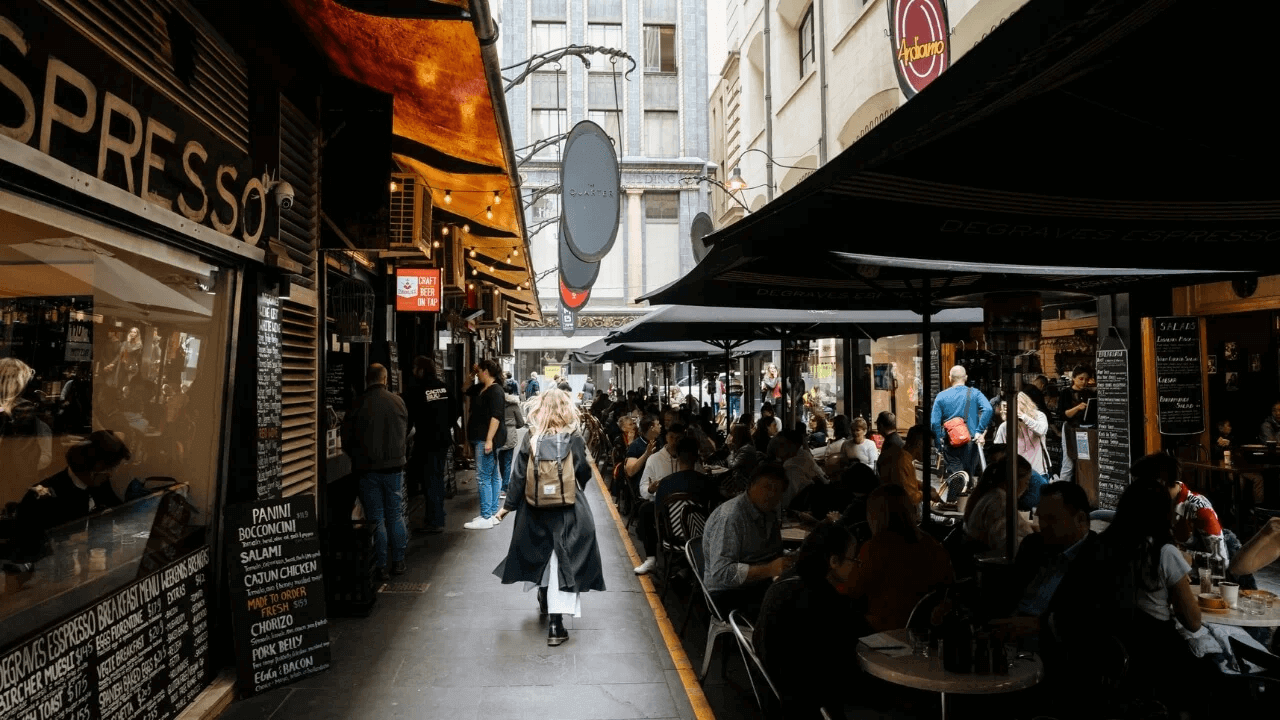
<point x="830" y="70"/>
<point x="657" y="117"/>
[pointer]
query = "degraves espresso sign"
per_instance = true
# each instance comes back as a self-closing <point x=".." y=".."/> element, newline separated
<point x="277" y="593"/>
<point x="921" y="38"/>
<point x="141" y="652"/>
<point x="63" y="95"/>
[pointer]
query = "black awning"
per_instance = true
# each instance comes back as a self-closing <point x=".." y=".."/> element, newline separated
<point x="1110" y="133"/>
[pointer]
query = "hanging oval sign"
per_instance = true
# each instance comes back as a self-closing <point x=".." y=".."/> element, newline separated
<point x="920" y="33"/>
<point x="589" y="188"/>
<point x="574" y="300"/>
<point x="575" y="273"/>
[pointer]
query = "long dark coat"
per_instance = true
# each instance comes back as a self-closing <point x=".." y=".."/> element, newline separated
<point x="568" y="531"/>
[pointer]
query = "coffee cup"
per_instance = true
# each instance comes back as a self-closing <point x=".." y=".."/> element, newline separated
<point x="1230" y="592"/>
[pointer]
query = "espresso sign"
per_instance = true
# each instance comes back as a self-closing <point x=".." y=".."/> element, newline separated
<point x="1179" y="390"/>
<point x="921" y="40"/>
<point x="1113" y="426"/>
<point x="589" y="189"/>
<point x="141" y="652"/>
<point x="277" y="593"/>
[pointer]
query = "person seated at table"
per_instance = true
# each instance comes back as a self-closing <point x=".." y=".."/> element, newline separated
<point x="817" y="432"/>
<point x="896" y="464"/>
<point x="887" y="426"/>
<point x="801" y="469"/>
<point x="900" y="564"/>
<point x="686" y="477"/>
<point x="742" y="543"/>
<point x="767" y="415"/>
<point x="764" y="432"/>
<point x="1222" y="443"/>
<point x="802" y="617"/>
<point x="1195" y="524"/>
<point x="1270" y="429"/>
<point x="985" y="516"/>
<point x="1132" y="586"/>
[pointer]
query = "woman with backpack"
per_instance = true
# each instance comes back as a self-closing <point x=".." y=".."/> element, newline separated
<point x="553" y="546"/>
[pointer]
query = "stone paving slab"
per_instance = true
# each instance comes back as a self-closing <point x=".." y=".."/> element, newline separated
<point x="470" y="647"/>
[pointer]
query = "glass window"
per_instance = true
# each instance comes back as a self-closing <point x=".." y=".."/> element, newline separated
<point x="548" y="91"/>
<point x="547" y="36"/>
<point x="112" y="370"/>
<point x="659" y="48"/>
<point x="661" y="134"/>
<point x="545" y="124"/>
<point x="661" y="241"/>
<point x="605" y="35"/>
<point x="611" y="122"/>
<point x="806" y="42"/>
<point x="604" y="9"/>
<point x="544" y="245"/>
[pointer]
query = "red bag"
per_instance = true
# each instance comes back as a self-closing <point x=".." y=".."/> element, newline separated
<point x="956" y="428"/>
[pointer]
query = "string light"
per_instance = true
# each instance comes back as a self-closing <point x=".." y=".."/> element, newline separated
<point x="444" y="229"/>
<point x="516" y="252"/>
<point x="488" y="212"/>
<point x="490" y="268"/>
<point x="473" y="252"/>
<point x="435" y="243"/>
<point x="471" y="286"/>
<point x="497" y="197"/>
<point x="448" y="197"/>
<point x="394" y="186"/>
<point x="474" y="271"/>
<point x="466" y="227"/>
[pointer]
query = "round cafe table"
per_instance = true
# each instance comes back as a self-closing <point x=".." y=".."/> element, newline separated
<point x="900" y="667"/>
<point x="1237" y="617"/>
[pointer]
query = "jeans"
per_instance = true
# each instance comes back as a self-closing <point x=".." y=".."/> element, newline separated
<point x="382" y="495"/>
<point x="504" y="466"/>
<point x="434" y="469"/>
<point x="735" y="408"/>
<point x="488" y="480"/>
<point x="963" y="458"/>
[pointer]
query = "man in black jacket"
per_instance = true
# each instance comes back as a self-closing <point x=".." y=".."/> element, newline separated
<point x="433" y="412"/>
<point x="374" y="435"/>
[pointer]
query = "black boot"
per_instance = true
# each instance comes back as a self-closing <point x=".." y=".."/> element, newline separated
<point x="542" y="600"/>
<point x="556" y="634"/>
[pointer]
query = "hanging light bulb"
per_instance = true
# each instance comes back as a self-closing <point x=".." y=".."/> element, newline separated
<point x="466" y="227"/>
<point x="516" y="252"/>
<point x="448" y="197"/>
<point x="473" y="252"/>
<point x="471" y="286"/>
<point x="444" y="230"/>
<point x="474" y="271"/>
<point x="394" y="186"/>
<point x="490" y="268"/>
<point x="435" y="243"/>
<point x="497" y="197"/>
<point x="488" y="212"/>
<point x="495" y="291"/>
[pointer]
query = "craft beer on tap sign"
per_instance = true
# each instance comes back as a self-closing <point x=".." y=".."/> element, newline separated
<point x="921" y="37"/>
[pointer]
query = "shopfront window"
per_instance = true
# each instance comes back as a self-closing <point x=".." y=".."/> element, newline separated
<point x="112" y="367"/>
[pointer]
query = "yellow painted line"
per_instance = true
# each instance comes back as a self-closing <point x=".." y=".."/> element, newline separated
<point x="688" y="677"/>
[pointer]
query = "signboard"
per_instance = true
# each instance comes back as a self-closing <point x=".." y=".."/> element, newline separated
<point x="269" y="378"/>
<point x="589" y="182"/>
<point x="1113" y="426"/>
<point x="575" y="274"/>
<point x="568" y="320"/>
<point x="574" y="300"/>
<point x="418" y="289"/>
<point x="920" y="33"/>
<point x="1179" y="391"/>
<point x="550" y="371"/>
<point x="141" y="652"/>
<point x="79" y="346"/>
<point x="277" y="593"/>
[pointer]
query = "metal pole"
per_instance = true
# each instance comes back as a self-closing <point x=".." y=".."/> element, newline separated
<point x="926" y="403"/>
<point x="768" y="109"/>
<point x="1011" y="453"/>
<point x="728" y="380"/>
<point x="781" y="410"/>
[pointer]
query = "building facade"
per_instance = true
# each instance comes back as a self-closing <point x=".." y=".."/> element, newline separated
<point x="656" y="117"/>
<point x="830" y="72"/>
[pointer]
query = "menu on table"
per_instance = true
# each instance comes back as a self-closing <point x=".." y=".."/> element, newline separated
<point x="141" y="652"/>
<point x="1179" y="391"/>
<point x="277" y="592"/>
<point x="269" y="396"/>
<point x="1113" y="426"/>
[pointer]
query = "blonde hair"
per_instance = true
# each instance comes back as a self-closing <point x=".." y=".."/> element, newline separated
<point x="551" y="412"/>
<point x="14" y="377"/>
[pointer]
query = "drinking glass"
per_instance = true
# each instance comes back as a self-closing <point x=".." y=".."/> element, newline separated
<point x="1255" y="606"/>
<point x="919" y="642"/>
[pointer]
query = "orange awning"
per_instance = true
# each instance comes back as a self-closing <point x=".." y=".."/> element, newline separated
<point x="447" y="125"/>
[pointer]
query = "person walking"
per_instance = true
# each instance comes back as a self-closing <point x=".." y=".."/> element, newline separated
<point x="375" y="433"/>
<point x="509" y="384"/>
<point x="770" y="386"/>
<point x="531" y="388"/>
<point x="552" y="548"/>
<point x="588" y="391"/>
<point x="513" y="419"/>
<point x="487" y="432"/>
<point x="963" y="402"/>
<point x="433" y="411"/>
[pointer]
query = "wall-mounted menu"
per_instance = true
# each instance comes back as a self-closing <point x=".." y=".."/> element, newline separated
<point x="1113" y="426"/>
<point x="277" y="592"/>
<point x="1179" y="391"/>
<point x="269" y="379"/>
<point x="141" y="652"/>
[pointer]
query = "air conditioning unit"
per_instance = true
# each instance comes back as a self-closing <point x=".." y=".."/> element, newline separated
<point x="489" y="302"/>
<point x="410" y="215"/>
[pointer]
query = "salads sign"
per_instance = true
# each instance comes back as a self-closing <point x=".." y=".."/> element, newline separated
<point x="921" y="36"/>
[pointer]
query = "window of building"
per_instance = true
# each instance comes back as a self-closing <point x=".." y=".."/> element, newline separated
<point x="545" y="124"/>
<point x="604" y="9"/>
<point x="548" y="116"/>
<point x="661" y="134"/>
<point x="661" y="241"/>
<point x="659" y="48"/>
<point x="611" y="122"/>
<point x="806" y="42"/>
<point x="547" y="36"/>
<point x="605" y="35"/>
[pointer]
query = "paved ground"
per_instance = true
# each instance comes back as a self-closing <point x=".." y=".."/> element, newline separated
<point x="470" y="647"/>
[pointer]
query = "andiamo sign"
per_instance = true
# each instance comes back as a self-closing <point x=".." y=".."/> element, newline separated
<point x="84" y="108"/>
<point x="921" y="40"/>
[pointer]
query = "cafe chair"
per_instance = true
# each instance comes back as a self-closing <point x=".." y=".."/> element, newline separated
<point x="920" y="614"/>
<point x="717" y="625"/>
<point x="1269" y="663"/>
<point x="743" y="631"/>
<point x="679" y="518"/>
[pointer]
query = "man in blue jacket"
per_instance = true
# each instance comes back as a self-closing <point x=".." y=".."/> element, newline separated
<point x="956" y="401"/>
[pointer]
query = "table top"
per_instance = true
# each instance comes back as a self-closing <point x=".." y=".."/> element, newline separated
<point x="927" y="673"/>
<point x="795" y="533"/>
<point x="1237" y="617"/>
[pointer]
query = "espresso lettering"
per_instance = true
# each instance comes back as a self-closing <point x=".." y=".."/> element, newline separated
<point x="53" y="112"/>
<point x="245" y="199"/>
<point x="128" y="150"/>
<point x="150" y="160"/>
<point x="23" y="132"/>
<point x="226" y="228"/>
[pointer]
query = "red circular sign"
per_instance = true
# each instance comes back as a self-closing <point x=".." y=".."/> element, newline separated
<point x="573" y="300"/>
<point x="921" y="42"/>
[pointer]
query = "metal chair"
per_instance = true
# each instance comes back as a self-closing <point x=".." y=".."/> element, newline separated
<point x="678" y="518"/>
<point x="737" y="623"/>
<point x="717" y="625"/>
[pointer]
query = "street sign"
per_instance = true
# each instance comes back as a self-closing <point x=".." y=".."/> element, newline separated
<point x="589" y="182"/>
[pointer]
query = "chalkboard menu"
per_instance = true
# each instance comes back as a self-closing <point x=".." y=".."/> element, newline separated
<point x="277" y="593"/>
<point x="141" y="652"/>
<point x="1179" y="391"/>
<point x="269" y="379"/>
<point x="1113" y="426"/>
<point x="335" y="384"/>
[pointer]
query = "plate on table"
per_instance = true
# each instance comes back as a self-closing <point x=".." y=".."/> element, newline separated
<point x="1258" y="593"/>
<point x="1215" y="611"/>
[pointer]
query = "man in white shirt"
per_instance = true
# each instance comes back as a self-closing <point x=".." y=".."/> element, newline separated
<point x="662" y="463"/>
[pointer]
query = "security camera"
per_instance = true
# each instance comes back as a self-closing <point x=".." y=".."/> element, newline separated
<point x="283" y="193"/>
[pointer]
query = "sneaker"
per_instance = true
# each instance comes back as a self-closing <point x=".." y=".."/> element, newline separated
<point x="433" y="530"/>
<point x="496" y="519"/>
<point x="647" y="566"/>
<point x="398" y="567"/>
<point x="479" y="524"/>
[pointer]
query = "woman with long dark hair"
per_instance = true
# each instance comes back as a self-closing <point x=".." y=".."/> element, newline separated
<point x="986" y="516"/>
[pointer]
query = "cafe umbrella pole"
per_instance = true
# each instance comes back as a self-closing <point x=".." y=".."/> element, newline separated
<point x="926" y="401"/>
